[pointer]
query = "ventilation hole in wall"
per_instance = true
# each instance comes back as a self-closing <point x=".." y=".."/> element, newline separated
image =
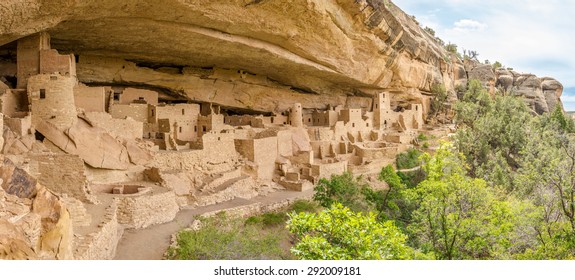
<point x="42" y="93"/>
<point x="219" y="138"/>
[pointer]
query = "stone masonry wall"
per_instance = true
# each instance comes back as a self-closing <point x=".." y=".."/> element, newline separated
<point x="101" y="245"/>
<point x="68" y="178"/>
<point x="140" y="211"/>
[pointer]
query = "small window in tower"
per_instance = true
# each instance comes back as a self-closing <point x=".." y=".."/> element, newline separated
<point x="367" y="124"/>
<point x="272" y="119"/>
<point x="375" y="106"/>
<point x="42" y="93"/>
<point x="219" y="138"/>
<point x="116" y="96"/>
<point x="152" y="112"/>
<point x="183" y="111"/>
<point x="180" y="129"/>
<point x="204" y="128"/>
<point x="352" y="124"/>
<point x="196" y="128"/>
<point x="308" y="120"/>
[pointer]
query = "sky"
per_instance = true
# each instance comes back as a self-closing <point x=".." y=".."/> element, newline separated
<point x="531" y="36"/>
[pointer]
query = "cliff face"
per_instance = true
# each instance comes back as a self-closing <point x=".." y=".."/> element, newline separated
<point x="252" y="54"/>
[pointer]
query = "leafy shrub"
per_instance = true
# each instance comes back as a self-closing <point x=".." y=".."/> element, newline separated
<point x="303" y="206"/>
<point x="224" y="238"/>
<point x="340" y="234"/>
<point x="409" y="159"/>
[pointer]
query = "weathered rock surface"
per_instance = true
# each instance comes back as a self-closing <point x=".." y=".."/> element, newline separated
<point x="256" y="55"/>
<point x="34" y="223"/>
<point x="334" y="47"/>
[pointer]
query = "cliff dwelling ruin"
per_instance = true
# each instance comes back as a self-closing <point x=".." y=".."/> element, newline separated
<point x="120" y="115"/>
<point x="140" y="155"/>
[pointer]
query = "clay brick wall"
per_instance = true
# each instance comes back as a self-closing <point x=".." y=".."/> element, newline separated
<point x="138" y="112"/>
<point x="20" y="126"/>
<point x="325" y="170"/>
<point x="262" y="152"/>
<point x="174" y="112"/>
<point x="91" y="99"/>
<point x="51" y="62"/>
<point x="14" y="102"/>
<point x="52" y="99"/>
<point x="28" y="57"/>
<point x="131" y="94"/>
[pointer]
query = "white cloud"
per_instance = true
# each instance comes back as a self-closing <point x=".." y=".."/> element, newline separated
<point x="468" y="25"/>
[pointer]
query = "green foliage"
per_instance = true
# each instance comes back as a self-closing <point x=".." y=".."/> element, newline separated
<point x="458" y="217"/>
<point x="388" y="202"/>
<point x="409" y="159"/>
<point x="224" y="238"/>
<point x="340" y="234"/>
<point x="270" y="219"/>
<point x="452" y="48"/>
<point x="497" y="65"/>
<point x="561" y="120"/>
<point x="430" y="31"/>
<point x="439" y="100"/>
<point x="492" y="134"/>
<point x="344" y="189"/>
<point x="422" y="137"/>
<point x="303" y="206"/>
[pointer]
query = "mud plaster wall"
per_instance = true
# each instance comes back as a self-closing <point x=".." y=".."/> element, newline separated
<point x="28" y="56"/>
<point x="20" y="126"/>
<point x="14" y="103"/>
<point x="131" y="94"/>
<point x="327" y="169"/>
<point x="138" y="112"/>
<point x="52" y="99"/>
<point x="263" y="152"/>
<point x="176" y="112"/>
<point x="91" y="99"/>
<point x="51" y="62"/>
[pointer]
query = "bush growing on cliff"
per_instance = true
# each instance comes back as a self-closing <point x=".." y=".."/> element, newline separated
<point x="338" y="233"/>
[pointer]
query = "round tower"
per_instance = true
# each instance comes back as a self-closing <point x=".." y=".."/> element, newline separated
<point x="296" y="115"/>
<point x="51" y="99"/>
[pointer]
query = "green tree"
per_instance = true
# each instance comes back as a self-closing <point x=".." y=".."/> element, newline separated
<point x="492" y="134"/>
<point x="458" y="217"/>
<point x="345" y="189"/>
<point x="439" y="100"/>
<point x="547" y="177"/>
<point x="341" y="234"/>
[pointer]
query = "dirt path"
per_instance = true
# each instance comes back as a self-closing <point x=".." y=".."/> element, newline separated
<point x="151" y="243"/>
